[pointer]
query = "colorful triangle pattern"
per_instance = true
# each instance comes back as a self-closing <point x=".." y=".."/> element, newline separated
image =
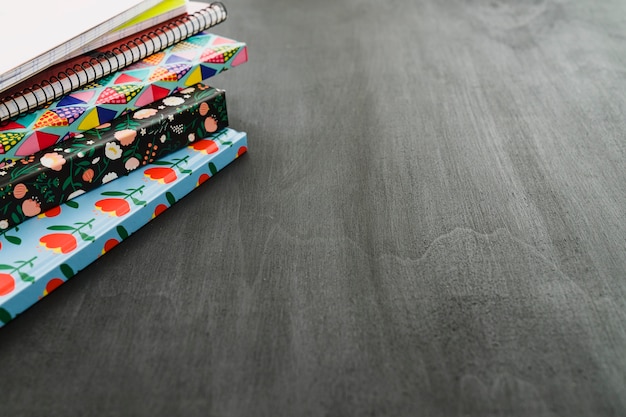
<point x="35" y="142"/>
<point x="220" y="40"/>
<point x="139" y="74"/>
<point x="156" y="77"/>
<point x="170" y="73"/>
<point x="76" y="98"/>
<point x="155" y="59"/>
<point x="69" y="100"/>
<point x="200" y="41"/>
<point x="10" y="125"/>
<point x="201" y="72"/>
<point x="240" y="58"/>
<point x="151" y="61"/>
<point x="96" y="117"/>
<point x="127" y="78"/>
<point x="152" y="94"/>
<point x="177" y="58"/>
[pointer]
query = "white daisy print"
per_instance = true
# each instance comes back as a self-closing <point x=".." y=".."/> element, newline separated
<point x="109" y="177"/>
<point x="112" y="150"/>
<point x="75" y="194"/>
<point x="173" y="101"/>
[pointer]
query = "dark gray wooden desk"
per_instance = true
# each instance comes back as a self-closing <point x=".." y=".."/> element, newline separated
<point x="431" y="220"/>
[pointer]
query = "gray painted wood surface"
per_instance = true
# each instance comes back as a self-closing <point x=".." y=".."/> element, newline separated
<point x="431" y="220"/>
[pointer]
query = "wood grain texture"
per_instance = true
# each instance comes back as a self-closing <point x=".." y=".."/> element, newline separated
<point x="430" y="221"/>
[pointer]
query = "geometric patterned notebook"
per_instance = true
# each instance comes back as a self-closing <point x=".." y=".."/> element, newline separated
<point x="186" y="63"/>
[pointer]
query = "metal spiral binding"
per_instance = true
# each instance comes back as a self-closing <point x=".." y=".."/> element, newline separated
<point x="134" y="50"/>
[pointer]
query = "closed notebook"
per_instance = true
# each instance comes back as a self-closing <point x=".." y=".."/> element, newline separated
<point x="43" y="31"/>
<point x="184" y="64"/>
<point x="80" y="71"/>
<point x="166" y="12"/>
<point x="44" y="252"/>
<point x="50" y="177"/>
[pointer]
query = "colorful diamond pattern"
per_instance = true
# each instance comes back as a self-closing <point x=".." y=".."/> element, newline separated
<point x="136" y="86"/>
<point x="118" y="94"/>
<point x="170" y="72"/>
<point x="61" y="116"/>
<point x="9" y="140"/>
<point x="184" y="46"/>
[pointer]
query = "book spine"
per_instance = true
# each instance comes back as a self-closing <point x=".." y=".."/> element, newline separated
<point x="48" y="178"/>
<point x="122" y="55"/>
<point x="46" y="251"/>
<point x="182" y="65"/>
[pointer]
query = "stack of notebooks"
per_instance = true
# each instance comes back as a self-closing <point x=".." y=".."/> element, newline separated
<point x="102" y="128"/>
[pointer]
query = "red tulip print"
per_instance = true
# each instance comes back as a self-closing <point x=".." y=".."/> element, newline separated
<point x="53" y="212"/>
<point x="158" y="210"/>
<point x="59" y="242"/>
<point x="205" y="145"/>
<point x="88" y="175"/>
<point x="241" y="151"/>
<point x="7" y="279"/>
<point x="117" y="207"/>
<point x="7" y="284"/>
<point x="117" y="204"/>
<point x="202" y="179"/>
<point x="52" y="285"/>
<point x="65" y="241"/>
<point x="109" y="244"/>
<point x="165" y="174"/>
<point x="113" y="242"/>
<point x="161" y="174"/>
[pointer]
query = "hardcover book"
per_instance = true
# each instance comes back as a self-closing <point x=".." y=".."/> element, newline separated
<point x="66" y="26"/>
<point x="42" y="253"/>
<point x="156" y="77"/>
<point x="165" y="10"/>
<point x="50" y="177"/>
<point x="75" y="73"/>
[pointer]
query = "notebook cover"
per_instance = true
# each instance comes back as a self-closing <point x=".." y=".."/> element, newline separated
<point x="50" y="177"/>
<point x="76" y="73"/>
<point x="60" y="27"/>
<point x="43" y="252"/>
<point x="160" y="75"/>
<point x="166" y="12"/>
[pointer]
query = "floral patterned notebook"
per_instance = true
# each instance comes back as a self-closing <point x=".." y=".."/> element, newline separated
<point x="50" y="177"/>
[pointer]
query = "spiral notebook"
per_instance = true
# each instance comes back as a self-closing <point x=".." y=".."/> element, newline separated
<point x="86" y="69"/>
<point x="53" y="29"/>
<point x="159" y="15"/>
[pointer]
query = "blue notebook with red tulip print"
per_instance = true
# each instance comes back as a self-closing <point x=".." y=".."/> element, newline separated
<point x="43" y="252"/>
